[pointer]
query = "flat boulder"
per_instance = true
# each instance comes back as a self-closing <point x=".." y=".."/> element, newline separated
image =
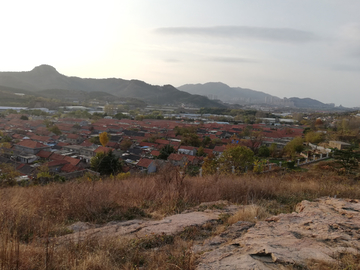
<point x="318" y="231"/>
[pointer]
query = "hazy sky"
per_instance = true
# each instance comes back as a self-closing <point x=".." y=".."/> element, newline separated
<point x="304" y="48"/>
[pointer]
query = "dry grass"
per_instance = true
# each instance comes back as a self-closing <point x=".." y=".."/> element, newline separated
<point x="30" y="215"/>
<point x="251" y="213"/>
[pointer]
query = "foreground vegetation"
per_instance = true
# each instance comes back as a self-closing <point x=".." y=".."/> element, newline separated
<point x="32" y="217"/>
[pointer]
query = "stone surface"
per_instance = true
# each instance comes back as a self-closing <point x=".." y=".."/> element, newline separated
<point x="319" y="231"/>
<point x="170" y="225"/>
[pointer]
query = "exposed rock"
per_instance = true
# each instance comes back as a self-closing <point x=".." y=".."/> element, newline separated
<point x="318" y="231"/>
<point x="170" y="225"/>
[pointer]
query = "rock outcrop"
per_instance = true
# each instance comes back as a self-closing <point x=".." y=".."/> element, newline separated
<point x="319" y="231"/>
<point x="170" y="225"/>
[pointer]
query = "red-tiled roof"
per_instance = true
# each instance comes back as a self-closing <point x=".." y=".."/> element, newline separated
<point x="160" y="141"/>
<point x="155" y="153"/>
<point x="56" y="163"/>
<point x="86" y="143"/>
<point x="144" y="162"/>
<point x="72" y="161"/>
<point x="219" y="148"/>
<point x="176" y="157"/>
<point x="56" y="156"/>
<point x="72" y="136"/>
<point x="69" y="168"/>
<point x="44" y="154"/>
<point x="31" y="144"/>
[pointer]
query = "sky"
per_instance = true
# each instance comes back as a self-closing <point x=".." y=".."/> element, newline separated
<point x="286" y="48"/>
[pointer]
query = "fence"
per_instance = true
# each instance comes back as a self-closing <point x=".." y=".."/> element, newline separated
<point x="272" y="167"/>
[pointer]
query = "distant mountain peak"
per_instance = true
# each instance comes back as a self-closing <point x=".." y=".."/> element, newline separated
<point x="44" y="69"/>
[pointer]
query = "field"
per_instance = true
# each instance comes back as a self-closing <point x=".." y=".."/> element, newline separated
<point x="32" y="217"/>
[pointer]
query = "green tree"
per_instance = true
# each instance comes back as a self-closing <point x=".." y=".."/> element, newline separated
<point x="191" y="139"/>
<point x="55" y="129"/>
<point x="294" y="146"/>
<point x="125" y="144"/>
<point x="314" y="137"/>
<point x="237" y="156"/>
<point x="264" y="151"/>
<point x="206" y="141"/>
<point x="24" y="117"/>
<point x="166" y="151"/>
<point x="106" y="163"/>
<point x="8" y="175"/>
<point x="95" y="140"/>
<point x="200" y="152"/>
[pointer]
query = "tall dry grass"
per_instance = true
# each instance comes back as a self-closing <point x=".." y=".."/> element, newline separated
<point x="30" y="216"/>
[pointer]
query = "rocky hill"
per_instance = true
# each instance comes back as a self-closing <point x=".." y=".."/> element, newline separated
<point x="318" y="233"/>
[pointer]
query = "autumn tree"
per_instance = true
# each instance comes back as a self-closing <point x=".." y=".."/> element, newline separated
<point x="236" y="156"/>
<point x="104" y="138"/>
<point x="210" y="165"/>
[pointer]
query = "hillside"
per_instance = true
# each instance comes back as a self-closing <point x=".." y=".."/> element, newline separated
<point x="46" y="77"/>
<point x="11" y="96"/>
<point x="170" y="222"/>
<point x="309" y="103"/>
<point x="225" y="93"/>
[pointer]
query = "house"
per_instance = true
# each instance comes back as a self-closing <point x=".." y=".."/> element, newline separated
<point x="30" y="147"/>
<point x="177" y="159"/>
<point x="218" y="150"/>
<point x="74" y="139"/>
<point x="339" y="145"/>
<point x="147" y="165"/>
<point x="187" y="150"/>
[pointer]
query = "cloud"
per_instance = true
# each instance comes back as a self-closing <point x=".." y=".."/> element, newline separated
<point x="348" y="68"/>
<point x="225" y="59"/>
<point x="287" y="35"/>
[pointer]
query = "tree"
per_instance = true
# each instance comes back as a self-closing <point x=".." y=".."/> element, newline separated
<point x="210" y="165"/>
<point x="24" y="117"/>
<point x="237" y="156"/>
<point x="314" y="137"/>
<point x="95" y="140"/>
<point x="264" y="151"/>
<point x="55" y="129"/>
<point x="106" y="163"/>
<point x="191" y="139"/>
<point x="206" y="141"/>
<point x="125" y="144"/>
<point x="8" y="175"/>
<point x="166" y="151"/>
<point x="200" y="152"/>
<point x="294" y="146"/>
<point x="104" y="138"/>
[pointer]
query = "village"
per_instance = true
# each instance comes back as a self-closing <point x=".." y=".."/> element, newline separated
<point x="34" y="147"/>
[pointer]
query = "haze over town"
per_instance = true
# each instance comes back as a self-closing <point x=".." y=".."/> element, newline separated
<point x="284" y="48"/>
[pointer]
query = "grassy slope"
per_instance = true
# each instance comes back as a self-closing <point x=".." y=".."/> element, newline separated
<point x="29" y="216"/>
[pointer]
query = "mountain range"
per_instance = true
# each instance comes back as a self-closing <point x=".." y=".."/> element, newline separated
<point x="238" y="95"/>
<point x="46" y="81"/>
<point x="45" y="78"/>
